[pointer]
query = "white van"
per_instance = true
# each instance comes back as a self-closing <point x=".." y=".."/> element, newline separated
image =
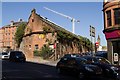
<point x="5" y="55"/>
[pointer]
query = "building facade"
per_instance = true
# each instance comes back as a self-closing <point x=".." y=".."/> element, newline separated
<point x="111" y="30"/>
<point x="1" y="38"/>
<point x="40" y="31"/>
<point x="9" y="31"/>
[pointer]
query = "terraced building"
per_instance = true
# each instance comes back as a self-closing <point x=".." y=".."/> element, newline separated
<point x="111" y="10"/>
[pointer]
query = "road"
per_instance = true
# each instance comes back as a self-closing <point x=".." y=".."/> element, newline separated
<point x="33" y="71"/>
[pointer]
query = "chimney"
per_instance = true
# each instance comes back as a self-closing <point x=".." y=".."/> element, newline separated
<point x="45" y="17"/>
<point x="12" y="22"/>
<point x="20" y="20"/>
<point x="33" y="11"/>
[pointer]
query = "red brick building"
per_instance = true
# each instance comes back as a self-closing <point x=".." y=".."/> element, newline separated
<point x="9" y="34"/>
<point x="111" y="30"/>
<point x="1" y="38"/>
<point x="40" y="31"/>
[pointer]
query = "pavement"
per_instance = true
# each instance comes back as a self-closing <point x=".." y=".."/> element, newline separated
<point x="43" y="61"/>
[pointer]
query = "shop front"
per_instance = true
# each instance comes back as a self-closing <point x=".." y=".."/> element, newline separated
<point x="113" y="44"/>
<point x="116" y="52"/>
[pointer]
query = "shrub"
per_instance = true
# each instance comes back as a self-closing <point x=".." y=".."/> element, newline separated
<point x="36" y="53"/>
<point x="45" y="52"/>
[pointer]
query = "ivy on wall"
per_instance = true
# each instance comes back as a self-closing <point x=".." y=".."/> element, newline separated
<point x="46" y="29"/>
<point x="69" y="38"/>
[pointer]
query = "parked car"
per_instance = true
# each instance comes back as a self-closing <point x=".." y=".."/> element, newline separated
<point x="4" y="55"/>
<point x="101" y="54"/>
<point x="108" y="70"/>
<point x="77" y="66"/>
<point x="72" y="55"/>
<point x="17" y="56"/>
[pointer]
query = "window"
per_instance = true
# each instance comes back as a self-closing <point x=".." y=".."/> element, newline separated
<point x="116" y="47"/>
<point x="71" y="62"/>
<point x="12" y="38"/>
<point x="13" y="44"/>
<point x="5" y="30"/>
<point x="8" y="44"/>
<point x="117" y="16"/>
<point x="36" y="46"/>
<point x="109" y="18"/>
<point x="32" y="20"/>
<point x="29" y="46"/>
<point x="12" y="32"/>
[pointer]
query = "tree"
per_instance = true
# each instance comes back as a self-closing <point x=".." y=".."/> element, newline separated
<point x="20" y="33"/>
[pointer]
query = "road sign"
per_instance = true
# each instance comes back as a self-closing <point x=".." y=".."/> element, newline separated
<point x="92" y="31"/>
<point x="97" y="44"/>
<point x="115" y="57"/>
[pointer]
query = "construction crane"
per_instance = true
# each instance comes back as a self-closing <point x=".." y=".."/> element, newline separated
<point x="73" y="20"/>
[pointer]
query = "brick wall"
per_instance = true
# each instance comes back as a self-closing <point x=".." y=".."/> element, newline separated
<point x="35" y="35"/>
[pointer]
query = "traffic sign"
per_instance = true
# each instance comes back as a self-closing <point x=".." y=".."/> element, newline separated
<point x="115" y="57"/>
<point x="97" y="44"/>
<point x="92" y="31"/>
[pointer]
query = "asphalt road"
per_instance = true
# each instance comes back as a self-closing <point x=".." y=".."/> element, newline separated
<point x="34" y="71"/>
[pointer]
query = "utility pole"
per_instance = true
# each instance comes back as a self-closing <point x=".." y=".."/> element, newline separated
<point x="73" y="20"/>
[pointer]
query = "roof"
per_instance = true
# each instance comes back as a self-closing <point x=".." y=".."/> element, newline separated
<point x="14" y="24"/>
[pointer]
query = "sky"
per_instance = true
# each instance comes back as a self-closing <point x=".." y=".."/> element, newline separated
<point x="54" y="0"/>
<point x="89" y="13"/>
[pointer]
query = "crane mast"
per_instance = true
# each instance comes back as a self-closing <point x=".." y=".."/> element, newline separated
<point x="68" y="17"/>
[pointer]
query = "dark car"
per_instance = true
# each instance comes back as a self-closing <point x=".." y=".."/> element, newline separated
<point x="101" y="54"/>
<point x="72" y="55"/>
<point x="17" y="56"/>
<point x="77" y="66"/>
<point x="88" y="54"/>
<point x="108" y="70"/>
